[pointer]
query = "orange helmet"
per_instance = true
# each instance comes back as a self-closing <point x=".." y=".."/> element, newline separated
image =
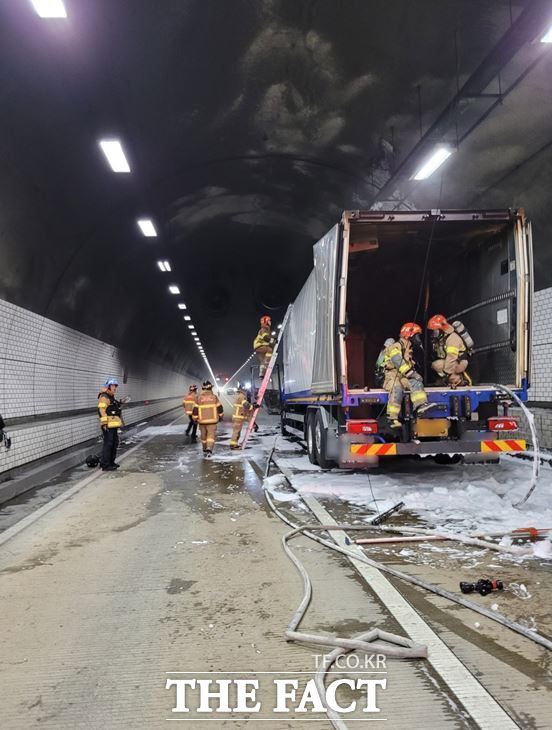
<point x="266" y="321"/>
<point x="437" y="322"/>
<point x="409" y="329"/>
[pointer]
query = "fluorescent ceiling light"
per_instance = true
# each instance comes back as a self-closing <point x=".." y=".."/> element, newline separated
<point x="279" y="326"/>
<point x="182" y="305"/>
<point x="50" y="8"/>
<point x="164" y="265"/>
<point x="190" y="326"/>
<point x="194" y="333"/>
<point x="438" y="156"/>
<point x="113" y="151"/>
<point x="547" y="38"/>
<point x="174" y="290"/>
<point x="147" y="227"/>
<point x="187" y="318"/>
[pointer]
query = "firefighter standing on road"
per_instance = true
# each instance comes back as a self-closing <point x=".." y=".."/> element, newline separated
<point x="401" y="375"/>
<point x="207" y="412"/>
<point x="189" y="401"/>
<point x="109" y="411"/>
<point x="263" y="344"/>
<point x="241" y="411"/>
<point x="452" y="351"/>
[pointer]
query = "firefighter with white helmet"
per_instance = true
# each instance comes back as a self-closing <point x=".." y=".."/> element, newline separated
<point x="109" y="412"/>
<point x="189" y="401"/>
<point x="263" y="344"/>
<point x="207" y="412"/>
<point x="452" y="351"/>
<point x="401" y="375"/>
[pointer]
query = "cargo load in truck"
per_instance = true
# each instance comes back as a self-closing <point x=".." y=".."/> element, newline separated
<point x="376" y="270"/>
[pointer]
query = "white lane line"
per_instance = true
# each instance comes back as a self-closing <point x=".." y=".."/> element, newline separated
<point x="479" y="703"/>
<point x="34" y="516"/>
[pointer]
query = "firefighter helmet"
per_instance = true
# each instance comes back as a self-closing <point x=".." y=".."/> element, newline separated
<point x="92" y="461"/>
<point x="409" y="329"/>
<point x="111" y="381"/>
<point x="193" y="388"/>
<point x="437" y="322"/>
<point x="207" y="385"/>
<point x="266" y="321"/>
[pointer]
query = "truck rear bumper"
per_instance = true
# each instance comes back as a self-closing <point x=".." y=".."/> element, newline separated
<point x="429" y="448"/>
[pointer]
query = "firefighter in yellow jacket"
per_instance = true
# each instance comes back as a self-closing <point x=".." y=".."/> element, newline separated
<point x="207" y="412"/>
<point x="109" y="412"/>
<point x="263" y="344"/>
<point x="189" y="401"/>
<point x="452" y="353"/>
<point x="241" y="411"/>
<point x="401" y="374"/>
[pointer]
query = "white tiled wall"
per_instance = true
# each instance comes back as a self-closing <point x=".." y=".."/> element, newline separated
<point x="46" y="368"/>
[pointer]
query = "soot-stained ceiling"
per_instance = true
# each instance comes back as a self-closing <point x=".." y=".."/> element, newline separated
<point x="249" y="126"/>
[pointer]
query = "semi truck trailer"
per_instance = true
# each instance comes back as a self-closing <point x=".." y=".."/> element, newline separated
<point x="375" y="270"/>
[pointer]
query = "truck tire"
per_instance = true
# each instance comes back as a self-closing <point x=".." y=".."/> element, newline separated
<point x="320" y="442"/>
<point x="311" y="450"/>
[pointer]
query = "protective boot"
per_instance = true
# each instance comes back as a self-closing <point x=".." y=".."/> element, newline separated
<point x="424" y="408"/>
<point x="394" y="423"/>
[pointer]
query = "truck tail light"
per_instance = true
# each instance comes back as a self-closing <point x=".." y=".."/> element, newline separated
<point x="502" y="424"/>
<point x="366" y="427"/>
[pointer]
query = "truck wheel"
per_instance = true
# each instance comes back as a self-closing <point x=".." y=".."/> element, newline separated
<point x="320" y="442"/>
<point x="311" y="450"/>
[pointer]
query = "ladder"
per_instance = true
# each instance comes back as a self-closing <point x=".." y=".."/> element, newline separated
<point x="266" y="379"/>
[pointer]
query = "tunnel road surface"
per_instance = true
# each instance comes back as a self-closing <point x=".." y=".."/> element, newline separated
<point x="173" y="564"/>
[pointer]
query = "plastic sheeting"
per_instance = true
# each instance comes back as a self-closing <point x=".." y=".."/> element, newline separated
<point x="324" y="378"/>
<point x="299" y="340"/>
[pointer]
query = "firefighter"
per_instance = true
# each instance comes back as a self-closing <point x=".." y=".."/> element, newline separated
<point x="451" y="350"/>
<point x="109" y="411"/>
<point x="189" y="401"/>
<point x="207" y="412"/>
<point x="401" y="375"/>
<point x="263" y="344"/>
<point x="242" y="410"/>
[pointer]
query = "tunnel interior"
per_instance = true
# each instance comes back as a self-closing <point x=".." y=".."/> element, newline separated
<point x="410" y="271"/>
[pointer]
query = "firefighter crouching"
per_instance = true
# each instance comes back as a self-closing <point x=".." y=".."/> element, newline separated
<point x="401" y="375"/>
<point x="241" y="411"/>
<point x="452" y="351"/>
<point x="109" y="411"/>
<point x="189" y="401"/>
<point x="263" y="344"/>
<point x="207" y="412"/>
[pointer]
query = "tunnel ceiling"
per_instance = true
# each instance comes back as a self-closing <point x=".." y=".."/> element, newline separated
<point x="249" y="126"/>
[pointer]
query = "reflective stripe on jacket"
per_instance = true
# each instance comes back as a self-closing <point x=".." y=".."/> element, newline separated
<point x="109" y="410"/>
<point x="455" y="350"/>
<point x="398" y="356"/>
<point x="208" y="409"/>
<point x="189" y="401"/>
<point x="263" y="338"/>
<point x="241" y="408"/>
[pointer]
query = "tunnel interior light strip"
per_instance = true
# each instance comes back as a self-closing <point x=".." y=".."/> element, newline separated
<point x="187" y="318"/>
<point x="174" y="289"/>
<point x="164" y="265"/>
<point x="190" y="326"/>
<point x="438" y="156"/>
<point x="113" y="151"/>
<point x="50" y="8"/>
<point x="147" y="227"/>
<point x="181" y="305"/>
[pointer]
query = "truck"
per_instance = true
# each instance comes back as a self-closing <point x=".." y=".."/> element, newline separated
<point x="375" y="270"/>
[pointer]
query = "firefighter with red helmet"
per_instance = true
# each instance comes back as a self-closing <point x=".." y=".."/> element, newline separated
<point x="401" y="375"/>
<point x="263" y="344"/>
<point x="452" y="351"/>
<point x="207" y="412"/>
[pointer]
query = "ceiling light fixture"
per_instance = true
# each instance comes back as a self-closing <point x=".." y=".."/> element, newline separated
<point x="164" y="265"/>
<point x="438" y="156"/>
<point x="50" y="8"/>
<point x="114" y="154"/>
<point x="174" y="290"/>
<point x="547" y="37"/>
<point x="190" y="326"/>
<point x="181" y="305"/>
<point x="147" y="227"/>
<point x="187" y="318"/>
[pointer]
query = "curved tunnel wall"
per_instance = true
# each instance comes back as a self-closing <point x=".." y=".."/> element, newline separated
<point x="50" y="376"/>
